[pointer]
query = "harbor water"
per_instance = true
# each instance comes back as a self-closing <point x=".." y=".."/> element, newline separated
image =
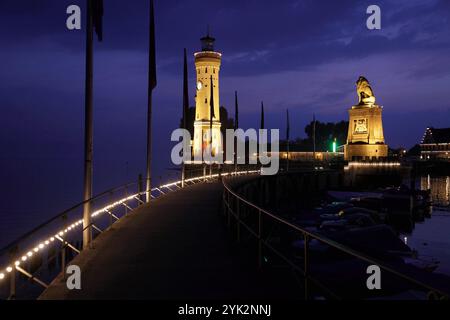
<point x="431" y="238"/>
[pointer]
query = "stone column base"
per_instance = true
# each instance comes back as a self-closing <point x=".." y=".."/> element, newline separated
<point x="365" y="151"/>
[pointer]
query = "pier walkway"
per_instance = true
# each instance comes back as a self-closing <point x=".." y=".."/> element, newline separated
<point x="177" y="247"/>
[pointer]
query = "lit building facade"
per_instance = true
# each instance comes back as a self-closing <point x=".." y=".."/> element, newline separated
<point x="435" y="144"/>
<point x="365" y="138"/>
<point x="207" y="64"/>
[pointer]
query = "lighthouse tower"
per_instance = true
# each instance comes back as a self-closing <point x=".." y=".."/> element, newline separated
<point x="207" y="65"/>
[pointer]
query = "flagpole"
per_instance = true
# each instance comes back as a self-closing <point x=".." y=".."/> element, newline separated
<point x="236" y="125"/>
<point x="211" y="113"/>
<point x="185" y="112"/>
<point x="287" y="139"/>
<point x="88" y="130"/>
<point x="262" y="115"/>
<point x="314" y="137"/>
<point x="151" y="86"/>
<point x="149" y="147"/>
<point x="261" y="128"/>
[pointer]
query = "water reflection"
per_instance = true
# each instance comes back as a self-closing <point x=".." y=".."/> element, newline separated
<point x="430" y="238"/>
<point x="440" y="189"/>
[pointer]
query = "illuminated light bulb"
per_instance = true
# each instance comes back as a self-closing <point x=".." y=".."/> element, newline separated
<point x="2" y="276"/>
<point x="9" y="269"/>
<point x="41" y="246"/>
<point x="29" y="253"/>
<point x="24" y="258"/>
<point x="65" y="231"/>
<point x="61" y="233"/>
<point x="46" y="242"/>
<point x="17" y="263"/>
<point x="69" y="228"/>
<point x="36" y="249"/>
<point x="52" y="239"/>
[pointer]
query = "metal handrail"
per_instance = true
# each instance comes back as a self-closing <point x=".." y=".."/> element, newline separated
<point x="60" y="215"/>
<point x="309" y="234"/>
<point x="60" y="236"/>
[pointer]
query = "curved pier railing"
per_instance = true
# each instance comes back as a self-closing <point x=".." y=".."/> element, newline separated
<point x="259" y="223"/>
<point x="40" y="255"/>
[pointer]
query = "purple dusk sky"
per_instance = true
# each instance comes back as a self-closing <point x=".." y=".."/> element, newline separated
<point x="302" y="55"/>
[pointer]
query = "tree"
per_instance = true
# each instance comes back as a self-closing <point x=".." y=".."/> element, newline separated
<point x="414" y="151"/>
<point x="326" y="133"/>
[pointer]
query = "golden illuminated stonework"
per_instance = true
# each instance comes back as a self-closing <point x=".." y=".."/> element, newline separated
<point x="207" y="65"/>
<point x="365" y="93"/>
<point x="365" y="138"/>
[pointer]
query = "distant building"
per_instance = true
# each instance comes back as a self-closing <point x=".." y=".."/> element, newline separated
<point x="397" y="153"/>
<point x="301" y="152"/>
<point x="310" y="156"/>
<point x="435" y="144"/>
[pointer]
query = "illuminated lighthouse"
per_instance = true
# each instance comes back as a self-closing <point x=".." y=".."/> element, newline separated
<point x="207" y="65"/>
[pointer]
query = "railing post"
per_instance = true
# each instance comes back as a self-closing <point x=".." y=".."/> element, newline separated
<point x="63" y="258"/>
<point x="12" y="285"/>
<point x="183" y="173"/>
<point x="224" y="207"/>
<point x="12" y="275"/>
<point x="87" y="225"/>
<point x="260" y="238"/>
<point x="110" y="212"/>
<point x="228" y="209"/>
<point x="306" y="265"/>
<point x="63" y="250"/>
<point x="126" y="196"/>
<point x="140" y="189"/>
<point x="306" y="254"/>
<point x="238" y="221"/>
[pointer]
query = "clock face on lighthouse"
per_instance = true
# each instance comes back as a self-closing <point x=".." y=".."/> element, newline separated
<point x="199" y="85"/>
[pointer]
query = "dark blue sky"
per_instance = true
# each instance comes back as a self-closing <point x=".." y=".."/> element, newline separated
<point x="302" y="55"/>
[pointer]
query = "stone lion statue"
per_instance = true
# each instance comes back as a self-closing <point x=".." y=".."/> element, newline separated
<point x="365" y="93"/>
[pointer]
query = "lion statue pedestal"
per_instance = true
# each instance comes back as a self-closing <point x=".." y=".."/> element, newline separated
<point x="365" y="138"/>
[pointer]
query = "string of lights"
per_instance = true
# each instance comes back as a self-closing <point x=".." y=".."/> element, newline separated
<point x="41" y="245"/>
<point x="372" y="164"/>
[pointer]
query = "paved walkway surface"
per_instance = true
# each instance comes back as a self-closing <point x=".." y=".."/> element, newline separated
<point x="178" y="247"/>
